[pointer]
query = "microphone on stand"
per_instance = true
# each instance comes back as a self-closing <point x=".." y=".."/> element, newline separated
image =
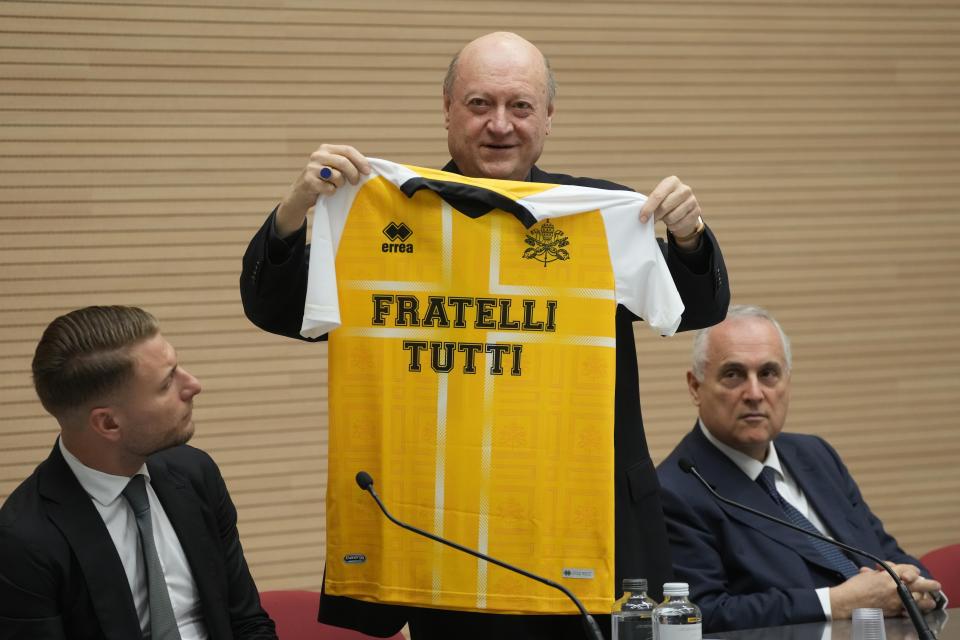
<point x="923" y="631"/>
<point x="590" y="626"/>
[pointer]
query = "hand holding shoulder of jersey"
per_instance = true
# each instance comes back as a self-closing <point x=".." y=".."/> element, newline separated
<point x="674" y="202"/>
<point x="346" y="164"/>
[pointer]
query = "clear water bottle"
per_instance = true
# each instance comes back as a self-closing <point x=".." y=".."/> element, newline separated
<point x="676" y="618"/>
<point x="633" y="613"/>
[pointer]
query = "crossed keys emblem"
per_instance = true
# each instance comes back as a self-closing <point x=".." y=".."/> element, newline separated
<point x="546" y="244"/>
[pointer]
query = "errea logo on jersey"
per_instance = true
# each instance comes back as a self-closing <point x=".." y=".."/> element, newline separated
<point x="398" y="235"/>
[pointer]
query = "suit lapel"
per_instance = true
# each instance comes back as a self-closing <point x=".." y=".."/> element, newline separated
<point x="71" y="510"/>
<point x="825" y="497"/>
<point x="192" y="521"/>
<point x="732" y="483"/>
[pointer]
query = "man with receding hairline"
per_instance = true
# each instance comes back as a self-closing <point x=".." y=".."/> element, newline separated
<point x="498" y="102"/>
<point x="490" y="137"/>
<point x="744" y="571"/>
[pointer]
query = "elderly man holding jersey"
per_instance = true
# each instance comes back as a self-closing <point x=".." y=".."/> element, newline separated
<point x="498" y="103"/>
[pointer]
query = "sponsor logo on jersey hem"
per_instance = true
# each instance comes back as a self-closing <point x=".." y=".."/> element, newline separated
<point x="578" y="574"/>
<point x="398" y="234"/>
<point x="547" y="244"/>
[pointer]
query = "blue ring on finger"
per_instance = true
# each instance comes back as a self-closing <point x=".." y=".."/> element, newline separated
<point x="326" y="173"/>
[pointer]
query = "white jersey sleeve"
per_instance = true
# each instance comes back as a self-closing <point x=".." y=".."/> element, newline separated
<point x="643" y="281"/>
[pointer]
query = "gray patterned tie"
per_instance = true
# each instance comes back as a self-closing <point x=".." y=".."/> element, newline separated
<point x="163" y="623"/>
<point x="833" y="555"/>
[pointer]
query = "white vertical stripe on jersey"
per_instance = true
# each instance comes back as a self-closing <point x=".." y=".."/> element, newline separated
<point x="446" y="250"/>
<point x="446" y="254"/>
<point x="495" y="233"/>
<point x="439" y="477"/>
<point x="483" y="510"/>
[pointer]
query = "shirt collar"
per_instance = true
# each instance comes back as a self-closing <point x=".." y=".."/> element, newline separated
<point x="100" y="486"/>
<point x="748" y="465"/>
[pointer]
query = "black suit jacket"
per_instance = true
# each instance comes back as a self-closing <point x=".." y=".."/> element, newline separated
<point x="747" y="572"/>
<point x="273" y="288"/>
<point x="61" y="576"/>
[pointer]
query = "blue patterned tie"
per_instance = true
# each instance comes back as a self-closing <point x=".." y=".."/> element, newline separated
<point x="835" y="558"/>
<point x="163" y="622"/>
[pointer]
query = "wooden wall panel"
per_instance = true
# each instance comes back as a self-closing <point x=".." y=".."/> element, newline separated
<point x="143" y="142"/>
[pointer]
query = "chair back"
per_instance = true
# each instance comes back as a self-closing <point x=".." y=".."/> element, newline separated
<point x="944" y="564"/>
<point x="295" y="614"/>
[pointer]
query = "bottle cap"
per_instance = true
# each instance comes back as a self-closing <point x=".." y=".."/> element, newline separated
<point x="634" y="585"/>
<point x="676" y="589"/>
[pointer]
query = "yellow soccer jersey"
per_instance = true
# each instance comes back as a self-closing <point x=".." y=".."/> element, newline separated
<point x="471" y="373"/>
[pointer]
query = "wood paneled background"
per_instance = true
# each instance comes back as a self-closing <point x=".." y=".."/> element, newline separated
<point x="143" y="142"/>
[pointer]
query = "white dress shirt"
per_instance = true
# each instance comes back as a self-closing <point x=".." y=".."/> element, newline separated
<point x="105" y="492"/>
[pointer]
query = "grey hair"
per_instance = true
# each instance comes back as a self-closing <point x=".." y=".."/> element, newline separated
<point x="451" y="77"/>
<point x="702" y="338"/>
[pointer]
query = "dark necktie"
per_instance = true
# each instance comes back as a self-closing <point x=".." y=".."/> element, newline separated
<point x="163" y="623"/>
<point x="833" y="555"/>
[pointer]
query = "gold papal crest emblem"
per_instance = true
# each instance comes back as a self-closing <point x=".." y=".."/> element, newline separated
<point x="546" y="244"/>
